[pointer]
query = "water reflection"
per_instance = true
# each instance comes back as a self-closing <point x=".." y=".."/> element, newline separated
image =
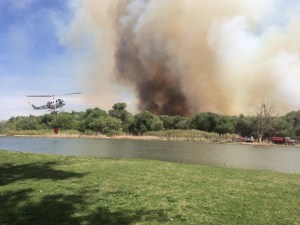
<point x="276" y="158"/>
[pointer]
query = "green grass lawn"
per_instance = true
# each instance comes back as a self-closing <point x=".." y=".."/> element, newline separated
<point x="40" y="189"/>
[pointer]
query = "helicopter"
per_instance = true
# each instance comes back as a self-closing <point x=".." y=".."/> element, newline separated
<point x="52" y="105"/>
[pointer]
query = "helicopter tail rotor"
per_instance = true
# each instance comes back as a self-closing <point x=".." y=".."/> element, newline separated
<point x="33" y="106"/>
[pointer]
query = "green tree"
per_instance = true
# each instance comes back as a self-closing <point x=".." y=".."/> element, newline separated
<point x="3" y="126"/>
<point x="205" y="121"/>
<point x="145" y="121"/>
<point x="282" y="127"/>
<point x="107" y="125"/>
<point x="182" y="123"/>
<point x="168" y="121"/>
<point x="225" y="126"/>
<point x="24" y="123"/>
<point x="174" y="122"/>
<point x="91" y="115"/>
<point x="119" y="106"/>
<point x="244" y="126"/>
<point x="47" y="120"/>
<point x="294" y="118"/>
<point x="119" y="111"/>
<point x="78" y="121"/>
<point x="63" y="121"/>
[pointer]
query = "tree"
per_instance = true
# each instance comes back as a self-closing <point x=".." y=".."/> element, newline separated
<point x="225" y="126"/>
<point x="294" y="119"/>
<point x="174" y="122"/>
<point x="119" y="106"/>
<point x="264" y="112"/>
<point x="282" y="127"/>
<point x="145" y="121"/>
<point x="91" y="115"/>
<point x="107" y="125"/>
<point x="3" y="126"/>
<point x="24" y="123"/>
<point x="168" y="121"/>
<point x="63" y="120"/>
<point x="47" y="119"/>
<point x="205" y="121"/>
<point x="119" y="111"/>
<point x="182" y="123"/>
<point x="244" y="126"/>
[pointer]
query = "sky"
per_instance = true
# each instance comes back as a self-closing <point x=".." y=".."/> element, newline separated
<point x="32" y="59"/>
<point x="167" y="56"/>
<point x="35" y="59"/>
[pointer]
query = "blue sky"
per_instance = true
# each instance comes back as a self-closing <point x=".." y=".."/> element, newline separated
<point x="28" y="34"/>
<point x="54" y="47"/>
<point x="32" y="59"/>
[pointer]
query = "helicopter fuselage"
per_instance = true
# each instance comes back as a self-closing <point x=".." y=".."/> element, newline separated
<point x="55" y="103"/>
<point x="51" y="105"/>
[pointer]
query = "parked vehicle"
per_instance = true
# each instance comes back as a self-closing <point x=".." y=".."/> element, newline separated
<point x="282" y="140"/>
<point x="242" y="139"/>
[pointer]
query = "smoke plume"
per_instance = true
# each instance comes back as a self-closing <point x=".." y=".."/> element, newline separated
<point x="187" y="56"/>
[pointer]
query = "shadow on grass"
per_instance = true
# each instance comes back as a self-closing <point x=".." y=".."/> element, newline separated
<point x="126" y="217"/>
<point x="29" y="206"/>
<point x="17" y="209"/>
<point x="10" y="173"/>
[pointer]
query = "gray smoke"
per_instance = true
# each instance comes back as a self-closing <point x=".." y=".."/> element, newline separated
<point x="183" y="57"/>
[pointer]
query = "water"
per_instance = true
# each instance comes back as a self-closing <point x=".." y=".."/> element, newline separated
<point x="275" y="158"/>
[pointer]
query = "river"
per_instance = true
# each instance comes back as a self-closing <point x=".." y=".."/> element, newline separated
<point x="258" y="157"/>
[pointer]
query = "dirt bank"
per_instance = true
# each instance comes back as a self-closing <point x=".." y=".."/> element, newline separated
<point x="98" y="136"/>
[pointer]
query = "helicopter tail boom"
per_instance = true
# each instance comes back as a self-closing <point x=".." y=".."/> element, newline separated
<point x="38" y="107"/>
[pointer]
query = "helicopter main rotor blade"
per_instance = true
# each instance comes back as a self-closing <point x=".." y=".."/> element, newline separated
<point x="74" y="93"/>
<point x="39" y="96"/>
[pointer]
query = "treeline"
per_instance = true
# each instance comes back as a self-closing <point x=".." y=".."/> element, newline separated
<point x="118" y="120"/>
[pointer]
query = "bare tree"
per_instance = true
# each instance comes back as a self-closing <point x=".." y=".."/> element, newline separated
<point x="264" y="112"/>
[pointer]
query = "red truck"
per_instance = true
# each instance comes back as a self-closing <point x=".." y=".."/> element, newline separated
<point x="282" y="140"/>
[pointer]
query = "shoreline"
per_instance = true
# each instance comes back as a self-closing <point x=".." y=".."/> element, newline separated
<point x="97" y="136"/>
<point x="144" y="138"/>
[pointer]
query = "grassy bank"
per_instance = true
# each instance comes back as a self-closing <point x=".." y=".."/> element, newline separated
<point x="45" y="189"/>
<point x="172" y="135"/>
<point x="190" y="135"/>
<point x="46" y="132"/>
